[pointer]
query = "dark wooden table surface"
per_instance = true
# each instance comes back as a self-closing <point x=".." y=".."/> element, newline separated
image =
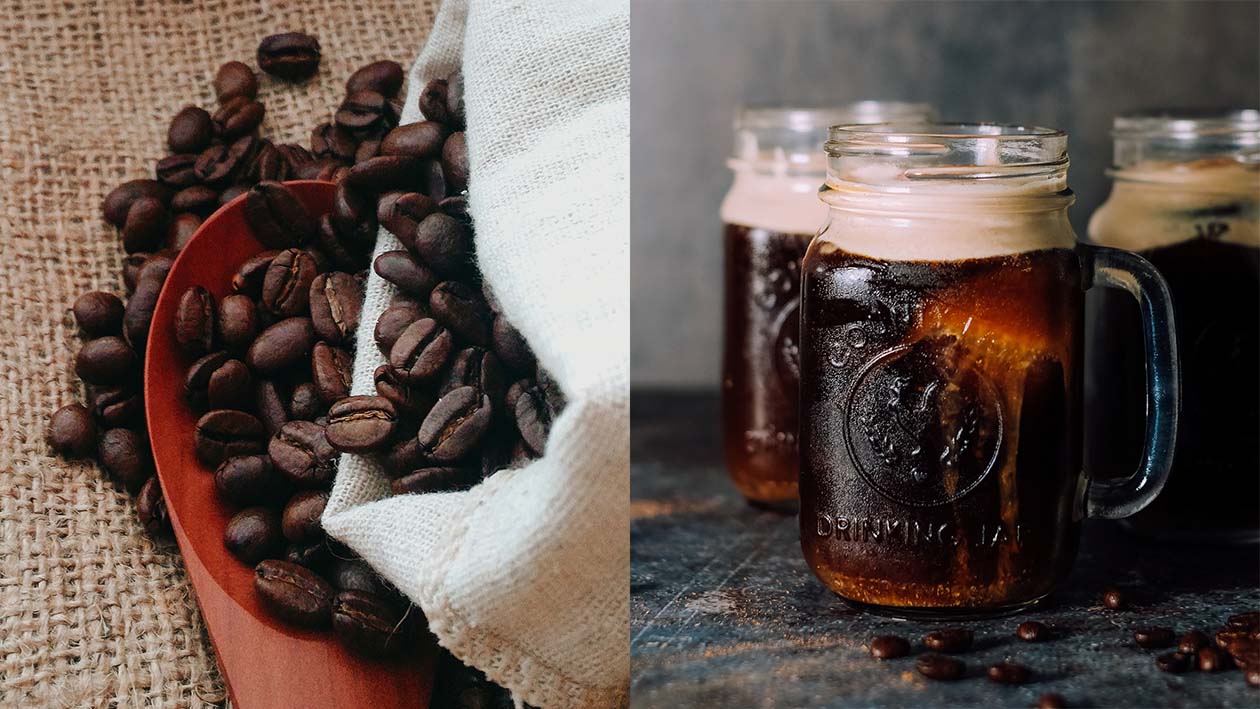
<point x="725" y="613"/>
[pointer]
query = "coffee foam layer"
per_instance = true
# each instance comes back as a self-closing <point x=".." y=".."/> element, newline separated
<point x="1160" y="204"/>
<point x="948" y="236"/>
<point x="782" y="203"/>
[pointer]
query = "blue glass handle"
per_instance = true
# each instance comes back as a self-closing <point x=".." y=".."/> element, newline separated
<point x="1113" y="268"/>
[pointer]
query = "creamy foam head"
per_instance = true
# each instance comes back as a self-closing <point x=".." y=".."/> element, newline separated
<point x="783" y="203"/>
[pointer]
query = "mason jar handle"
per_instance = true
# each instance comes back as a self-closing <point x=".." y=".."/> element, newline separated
<point x="1114" y="268"/>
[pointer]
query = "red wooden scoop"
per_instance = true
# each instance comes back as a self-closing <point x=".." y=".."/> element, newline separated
<point x="266" y="663"/>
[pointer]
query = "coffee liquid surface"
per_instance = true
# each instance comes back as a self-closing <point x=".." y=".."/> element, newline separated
<point x="940" y="425"/>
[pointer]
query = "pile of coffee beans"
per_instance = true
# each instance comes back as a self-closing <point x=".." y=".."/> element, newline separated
<point x="1234" y="645"/>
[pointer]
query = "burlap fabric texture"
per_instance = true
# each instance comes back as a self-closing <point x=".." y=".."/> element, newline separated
<point x="93" y="612"/>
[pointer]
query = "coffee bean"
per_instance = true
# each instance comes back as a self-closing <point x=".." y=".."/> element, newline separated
<point x="887" y="647"/>
<point x="145" y="225"/>
<point x="238" y="116"/>
<point x="361" y="424"/>
<point x="292" y="56"/>
<point x="295" y="156"/>
<point x="287" y="284"/>
<point x="1212" y="659"/>
<point x="455" y="424"/>
<point x="948" y="640"/>
<point x="1150" y="638"/>
<point x="182" y="229"/>
<point x="1115" y="599"/>
<point x="231" y="386"/>
<point x="421" y="351"/>
<point x="461" y="309"/>
<point x="267" y="164"/>
<point x="194" y="322"/>
<point x="131" y="269"/>
<point x="405" y="455"/>
<point x="401" y="212"/>
<point x="426" y="480"/>
<point x="355" y="575"/>
<point x="401" y="269"/>
<point x="151" y="508"/>
<point x="190" y="131"/>
<point x="138" y="315"/>
<point x="197" y="378"/>
<point x="116" y="406"/>
<point x="384" y="77"/>
<point x="253" y="534"/>
<point x="382" y="174"/>
<point x="72" y="431"/>
<point x="1009" y="673"/>
<point x="423" y="139"/>
<point x="1032" y="631"/>
<point x="125" y="455"/>
<point x="300" y="521"/>
<point x="360" y="110"/>
<point x="282" y="345"/>
<point x="248" y="480"/>
<point x="1249" y="620"/>
<point x="455" y="163"/>
<point x="294" y="593"/>
<point x="444" y="244"/>
<point x="391" y="325"/>
<point x="106" y="360"/>
<point x="347" y="254"/>
<point x="306" y="404"/>
<point x="456" y="206"/>
<point x="511" y="347"/>
<point x="1252" y="677"/>
<point x="1050" y="700"/>
<point x="198" y="199"/>
<point x="225" y="433"/>
<point x="300" y="451"/>
<point x="220" y="163"/>
<point x="940" y="667"/>
<point x="277" y="217"/>
<point x="332" y="369"/>
<point x="475" y="367"/>
<point x="1193" y="641"/>
<point x="433" y="101"/>
<point x="366" y="624"/>
<point x="352" y="214"/>
<point x="99" y="314"/>
<point x="533" y="420"/>
<point x="234" y="79"/>
<point x="313" y="556"/>
<point x="118" y="202"/>
<point x="455" y="100"/>
<point x="238" y="322"/>
<point x="336" y="300"/>
<point x="248" y="278"/>
<point x="269" y="404"/>
<point x="1174" y="662"/>
<point x="178" y="171"/>
<point x="330" y="140"/>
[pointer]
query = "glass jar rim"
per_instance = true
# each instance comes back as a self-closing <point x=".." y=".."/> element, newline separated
<point x="805" y="118"/>
<point x="911" y="139"/>
<point x="1188" y="123"/>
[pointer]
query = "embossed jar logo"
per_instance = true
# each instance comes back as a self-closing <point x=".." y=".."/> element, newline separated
<point x="923" y="425"/>
<point x="778" y="293"/>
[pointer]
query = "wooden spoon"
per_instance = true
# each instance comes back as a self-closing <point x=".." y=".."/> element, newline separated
<point x="265" y="662"/>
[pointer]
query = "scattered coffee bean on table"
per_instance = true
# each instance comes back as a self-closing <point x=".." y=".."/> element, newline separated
<point x="940" y="667"/>
<point x="887" y="647"/>
<point x="1050" y="700"/>
<point x="1009" y="673"/>
<point x="1115" y="599"/>
<point x="1174" y="662"/>
<point x="1193" y="641"/>
<point x="949" y="640"/>
<point x="1032" y="631"/>
<point x="1212" y="659"/>
<point x="1152" y="638"/>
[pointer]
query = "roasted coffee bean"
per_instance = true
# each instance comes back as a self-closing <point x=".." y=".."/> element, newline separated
<point x="332" y="370"/>
<point x="421" y="351"/>
<point x="282" y="345"/>
<point x="1212" y="659"/>
<point x="294" y="593"/>
<point x="197" y="379"/>
<point x="1115" y="599"/>
<point x="355" y="575"/>
<point x="352" y="215"/>
<point x="178" y="171"/>
<point x="1193" y="641"/>
<point x="405" y="455"/>
<point x="444" y="244"/>
<point x="433" y="101"/>
<point x="402" y="269"/>
<point x="1009" y="673"/>
<point x="220" y="163"/>
<point x="1174" y="662"/>
<point x="1050" y="700"/>
<point x="438" y="479"/>
<point x="1249" y="620"/>
<point x="270" y="406"/>
<point x="347" y="254"/>
<point x="151" y="508"/>
<point x="72" y="431"/>
<point x="118" y="202"/>
<point x="382" y="174"/>
<point x="1227" y="638"/>
<point x="407" y="400"/>
<point x="330" y="140"/>
<point x="249" y="276"/>
<point x="401" y="212"/>
<point x="368" y="149"/>
<point x="455" y="100"/>
<point x="98" y="314"/>
<point x="253" y="534"/>
<point x="301" y="517"/>
<point x="306" y="404"/>
<point x="455" y="424"/>
<point x="392" y="323"/>
<point x="294" y="156"/>
<point x="1246" y="657"/>
<point x="301" y="452"/>
<point x="292" y="56"/>
<point x="234" y="79"/>
<point x="1032" y="631"/>
<point x="231" y="387"/>
<point x="145" y="225"/>
<point x="238" y="322"/>
<point x="116" y="406"/>
<point x="107" y="360"/>
<point x="533" y="420"/>
<point x="384" y="77"/>
<point x="948" y="640"/>
<point x="190" y="131"/>
<point x="138" y="315"/>
<point x="457" y="206"/>
<point x="248" y="480"/>
<point x="312" y="556"/>
<point x="277" y="217"/>
<point x="940" y="667"/>
<point x="1150" y="638"/>
<point x="225" y="433"/>
<point x="455" y="163"/>
<point x="267" y="164"/>
<point x="287" y="284"/>
<point x="366" y="624"/>
<point x="314" y="169"/>
<point x="361" y="424"/>
<point x="461" y="309"/>
<point x="887" y="647"/>
<point x="423" y="139"/>
<point x="336" y="300"/>
<point x="198" y="199"/>
<point x="126" y="457"/>
<point x="511" y="347"/>
<point x="131" y="269"/>
<point x="475" y="367"/>
<point x="195" y="322"/>
<point x="238" y="116"/>
<point x="360" y="110"/>
<point x="182" y="229"/>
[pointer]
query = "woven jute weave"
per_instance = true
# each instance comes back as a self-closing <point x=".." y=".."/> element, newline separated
<point x="92" y="611"/>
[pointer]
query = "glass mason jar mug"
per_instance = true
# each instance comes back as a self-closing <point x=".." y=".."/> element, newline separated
<point x="1187" y="197"/>
<point x="770" y="214"/>
<point x="941" y="356"/>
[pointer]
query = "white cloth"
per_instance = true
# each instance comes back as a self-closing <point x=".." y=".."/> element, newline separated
<point x="526" y="575"/>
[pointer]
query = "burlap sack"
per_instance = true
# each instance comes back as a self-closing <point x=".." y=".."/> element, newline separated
<point x="526" y="575"/>
<point x="92" y="612"/>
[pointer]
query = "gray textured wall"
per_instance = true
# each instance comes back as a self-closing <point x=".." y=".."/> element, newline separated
<point x="1068" y="65"/>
